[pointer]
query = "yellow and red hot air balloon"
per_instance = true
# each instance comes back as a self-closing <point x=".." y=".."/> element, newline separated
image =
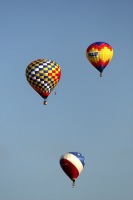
<point x="43" y="75"/>
<point x="99" y="55"/>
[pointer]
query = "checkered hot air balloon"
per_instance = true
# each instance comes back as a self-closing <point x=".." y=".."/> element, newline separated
<point x="43" y="75"/>
<point x="99" y="55"/>
<point x="72" y="164"/>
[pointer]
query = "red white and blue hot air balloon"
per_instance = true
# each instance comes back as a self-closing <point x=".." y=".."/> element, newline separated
<point x="72" y="164"/>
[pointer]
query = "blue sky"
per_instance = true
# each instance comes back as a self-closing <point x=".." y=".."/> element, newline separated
<point x="89" y="114"/>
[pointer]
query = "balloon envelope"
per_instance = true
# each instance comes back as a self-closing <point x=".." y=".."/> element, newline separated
<point x="99" y="55"/>
<point x="72" y="164"/>
<point x="43" y="75"/>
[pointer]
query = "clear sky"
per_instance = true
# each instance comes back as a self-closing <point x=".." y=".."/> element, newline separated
<point x="89" y="114"/>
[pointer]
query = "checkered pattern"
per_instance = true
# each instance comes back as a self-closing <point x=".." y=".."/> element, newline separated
<point x="43" y="75"/>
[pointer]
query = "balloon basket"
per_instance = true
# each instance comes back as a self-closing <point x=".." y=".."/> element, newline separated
<point x="100" y="74"/>
<point x="73" y="185"/>
<point x="45" y="102"/>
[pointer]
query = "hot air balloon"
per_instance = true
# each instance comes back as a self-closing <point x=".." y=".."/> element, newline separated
<point x="99" y="55"/>
<point x="43" y="75"/>
<point x="72" y="164"/>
